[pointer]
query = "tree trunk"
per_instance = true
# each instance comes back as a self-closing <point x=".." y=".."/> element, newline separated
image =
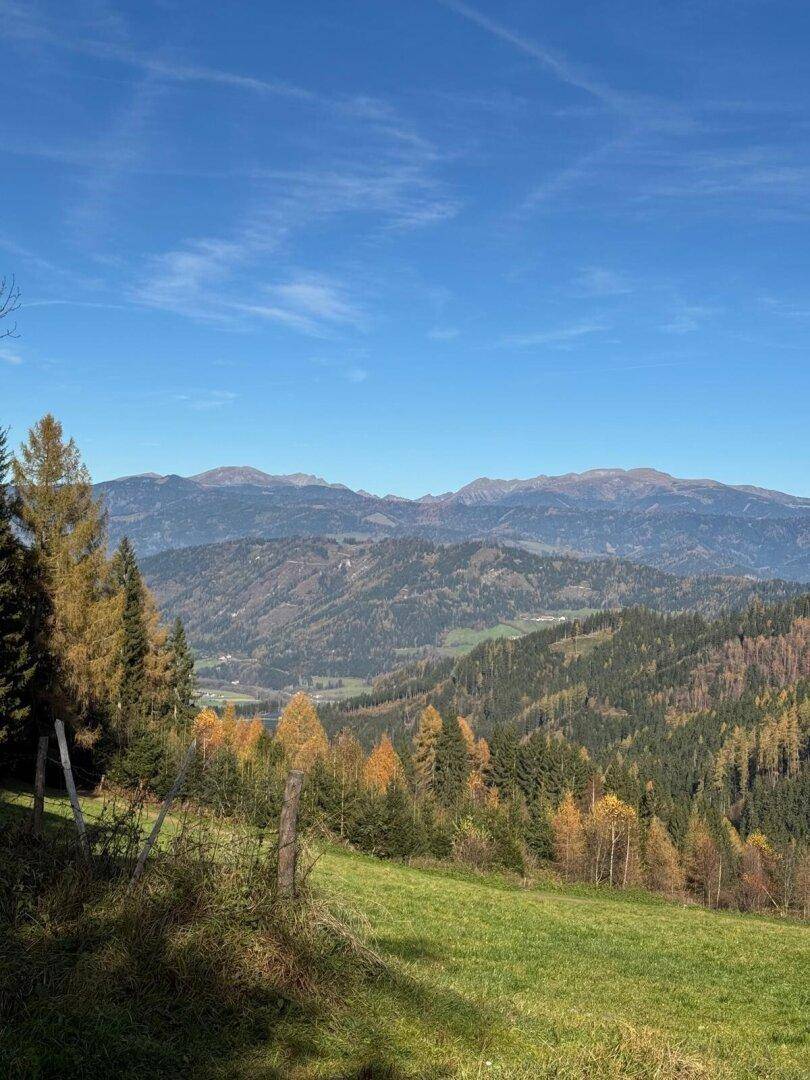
<point x="39" y="785"/>
<point x="288" y="834"/>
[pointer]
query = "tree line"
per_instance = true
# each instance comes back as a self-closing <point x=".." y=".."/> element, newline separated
<point x="80" y="636"/>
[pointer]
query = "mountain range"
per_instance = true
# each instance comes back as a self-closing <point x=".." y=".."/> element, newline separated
<point x="266" y="612"/>
<point x="679" y="525"/>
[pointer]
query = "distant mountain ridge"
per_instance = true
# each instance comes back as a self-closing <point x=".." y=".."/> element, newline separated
<point x="626" y="488"/>
<point x="679" y="525"/>
<point x="237" y="475"/>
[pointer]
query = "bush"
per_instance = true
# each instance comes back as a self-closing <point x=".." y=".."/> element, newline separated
<point x="472" y="845"/>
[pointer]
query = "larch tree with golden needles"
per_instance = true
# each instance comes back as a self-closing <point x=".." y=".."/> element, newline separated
<point x="383" y="766"/>
<point x="703" y="861"/>
<point x="65" y="529"/>
<point x="301" y="733"/>
<point x="662" y="866"/>
<point x="424" y="748"/>
<point x="569" y="838"/>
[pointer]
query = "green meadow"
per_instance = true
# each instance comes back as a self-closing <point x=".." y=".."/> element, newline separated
<point x="483" y="977"/>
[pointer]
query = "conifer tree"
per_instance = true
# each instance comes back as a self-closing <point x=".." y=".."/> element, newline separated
<point x="65" y="529"/>
<point x="397" y="832"/>
<point x="181" y="684"/>
<point x="126" y="578"/>
<point x="662" y="866"/>
<point x="424" y="748"/>
<point x="301" y="733"/>
<point x="703" y="861"/>
<point x="538" y="831"/>
<point x="502" y="767"/>
<point x="17" y="651"/>
<point x="383" y="766"/>
<point x="569" y="838"/>
<point x="452" y="766"/>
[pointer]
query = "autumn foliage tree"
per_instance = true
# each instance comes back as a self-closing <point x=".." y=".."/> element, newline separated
<point x="610" y="831"/>
<point x="569" y="838"/>
<point x="662" y="865"/>
<point x="301" y="733"/>
<point x="424" y="748"/>
<point x="383" y="766"/>
<point x="64" y="527"/>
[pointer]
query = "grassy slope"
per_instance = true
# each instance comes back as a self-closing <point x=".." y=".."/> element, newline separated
<point x="566" y="984"/>
<point x="491" y="980"/>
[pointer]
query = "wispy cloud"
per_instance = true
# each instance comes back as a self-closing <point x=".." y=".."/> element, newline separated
<point x="10" y="356"/>
<point x="443" y="333"/>
<point x="555" y="63"/>
<point x="203" y="400"/>
<point x="196" y="279"/>
<point x="122" y="147"/>
<point x="688" y="318"/>
<point x="562" y="337"/>
<point x="601" y="281"/>
<point x="355" y="374"/>
<point x="348" y="368"/>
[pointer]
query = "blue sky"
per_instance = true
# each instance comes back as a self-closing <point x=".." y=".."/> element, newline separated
<point x="402" y="245"/>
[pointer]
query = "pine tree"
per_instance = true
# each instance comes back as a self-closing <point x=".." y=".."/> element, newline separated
<point x="126" y="578"/>
<point x="452" y="766"/>
<point x="424" y="748"/>
<point x="17" y="646"/>
<point x="662" y="866"/>
<point x="181" y="683"/>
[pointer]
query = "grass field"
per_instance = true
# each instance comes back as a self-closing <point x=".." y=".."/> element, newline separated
<point x="318" y="687"/>
<point x="576" y="647"/>
<point x="487" y="979"/>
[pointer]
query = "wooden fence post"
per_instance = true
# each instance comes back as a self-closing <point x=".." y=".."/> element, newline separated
<point x="84" y="847"/>
<point x="288" y="834"/>
<point x="39" y="785"/>
<point x="167" y="802"/>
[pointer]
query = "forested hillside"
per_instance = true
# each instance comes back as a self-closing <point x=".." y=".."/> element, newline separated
<point x="302" y="607"/>
<point x="671" y="707"/>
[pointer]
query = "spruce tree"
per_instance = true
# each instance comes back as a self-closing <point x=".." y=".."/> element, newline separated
<point x="17" y="660"/>
<point x="181" y="675"/>
<point x="127" y="580"/>
<point x="452" y="766"/>
<point x="502" y="767"/>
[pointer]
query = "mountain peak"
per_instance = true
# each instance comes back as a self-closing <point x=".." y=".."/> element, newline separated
<point x="237" y="475"/>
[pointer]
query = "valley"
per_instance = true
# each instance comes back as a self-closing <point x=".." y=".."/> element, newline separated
<point x="281" y="610"/>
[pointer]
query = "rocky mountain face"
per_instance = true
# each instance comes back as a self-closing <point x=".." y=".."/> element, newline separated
<point x="682" y="526"/>
<point x="283" y="608"/>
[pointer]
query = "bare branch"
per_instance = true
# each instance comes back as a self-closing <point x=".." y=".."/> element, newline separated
<point x="9" y="302"/>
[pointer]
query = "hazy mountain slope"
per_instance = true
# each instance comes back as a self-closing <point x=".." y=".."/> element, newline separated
<point x="684" y="526"/>
<point x="329" y="607"/>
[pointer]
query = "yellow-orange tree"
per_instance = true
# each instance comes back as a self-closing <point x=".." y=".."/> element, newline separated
<point x="301" y="733"/>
